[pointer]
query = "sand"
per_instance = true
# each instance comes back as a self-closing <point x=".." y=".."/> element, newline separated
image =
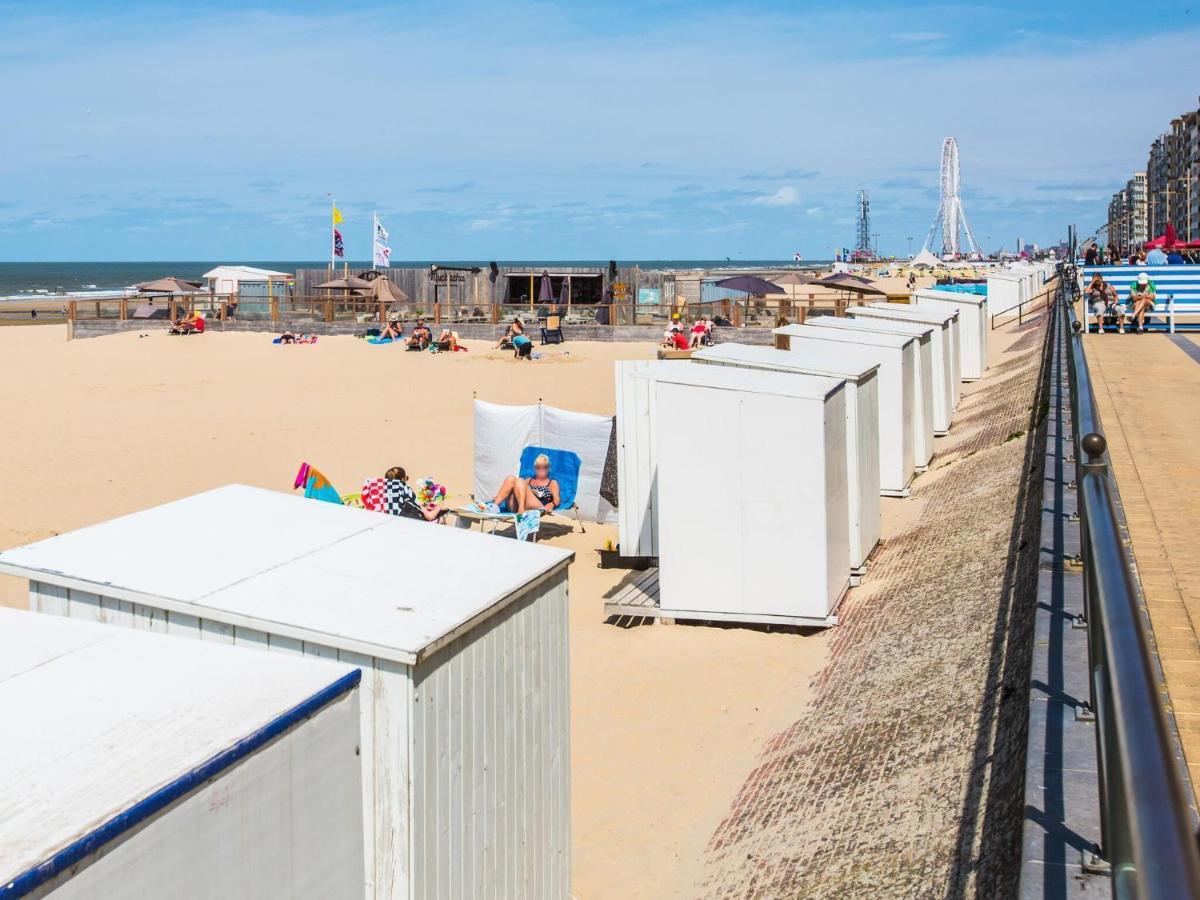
<point x="667" y="722"/>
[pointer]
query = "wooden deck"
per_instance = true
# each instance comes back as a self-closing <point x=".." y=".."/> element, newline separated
<point x="640" y="599"/>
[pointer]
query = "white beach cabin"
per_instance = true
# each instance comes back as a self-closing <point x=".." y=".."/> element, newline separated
<point x="752" y="494"/>
<point x="862" y="422"/>
<point x="923" y="383"/>
<point x="896" y="359"/>
<point x="462" y="639"/>
<point x="637" y="461"/>
<point x="135" y="765"/>
<point x="907" y="312"/>
<point x="1005" y="291"/>
<point x="941" y="356"/>
<point x="974" y="326"/>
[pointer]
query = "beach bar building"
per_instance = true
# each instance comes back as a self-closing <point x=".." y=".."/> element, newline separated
<point x="774" y="547"/>
<point x="922" y="385"/>
<point x="859" y="370"/>
<point x="461" y="637"/>
<point x="135" y="765"/>
<point x="896" y="358"/>
<point x="973" y="326"/>
<point x="943" y="382"/>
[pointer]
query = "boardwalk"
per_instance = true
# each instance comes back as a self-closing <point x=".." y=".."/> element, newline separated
<point x="904" y="777"/>
<point x="1148" y="389"/>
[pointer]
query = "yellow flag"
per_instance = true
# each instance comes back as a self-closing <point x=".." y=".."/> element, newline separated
<point x="337" y="215"/>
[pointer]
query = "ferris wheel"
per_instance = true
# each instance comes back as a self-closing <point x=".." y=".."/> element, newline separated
<point x="951" y="219"/>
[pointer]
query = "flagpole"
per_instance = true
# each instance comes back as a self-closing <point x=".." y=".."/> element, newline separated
<point x="332" y="232"/>
<point x="374" y="231"/>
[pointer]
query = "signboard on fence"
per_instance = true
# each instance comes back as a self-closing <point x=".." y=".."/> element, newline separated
<point x="650" y="296"/>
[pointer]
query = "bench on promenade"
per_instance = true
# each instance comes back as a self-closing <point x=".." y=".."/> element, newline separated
<point x="1178" y="292"/>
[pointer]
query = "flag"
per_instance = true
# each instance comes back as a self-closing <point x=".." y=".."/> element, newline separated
<point x="382" y="253"/>
<point x="337" y="216"/>
<point x="339" y="248"/>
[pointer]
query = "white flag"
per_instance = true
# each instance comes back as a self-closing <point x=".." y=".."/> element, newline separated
<point x="382" y="255"/>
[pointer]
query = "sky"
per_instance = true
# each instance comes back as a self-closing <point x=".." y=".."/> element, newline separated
<point x="567" y="130"/>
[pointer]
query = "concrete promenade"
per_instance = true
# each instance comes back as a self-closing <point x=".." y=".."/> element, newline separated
<point x="1148" y="390"/>
<point x="904" y="777"/>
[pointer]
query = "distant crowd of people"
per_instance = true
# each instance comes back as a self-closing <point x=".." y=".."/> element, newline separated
<point x="1095" y="255"/>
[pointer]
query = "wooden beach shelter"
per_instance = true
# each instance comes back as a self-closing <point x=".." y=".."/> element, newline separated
<point x="896" y="357"/>
<point x="772" y="545"/>
<point x="974" y="325"/>
<point x="462" y="639"/>
<point x="942" y="382"/>
<point x="136" y="765"/>
<point x="860" y="372"/>
<point x="923" y="384"/>
<point x="949" y="318"/>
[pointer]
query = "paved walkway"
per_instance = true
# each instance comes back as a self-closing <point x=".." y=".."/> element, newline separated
<point x="1148" y="390"/>
<point x="904" y="777"/>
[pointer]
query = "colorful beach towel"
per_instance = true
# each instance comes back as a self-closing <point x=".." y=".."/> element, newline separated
<point x="316" y="486"/>
<point x="528" y="524"/>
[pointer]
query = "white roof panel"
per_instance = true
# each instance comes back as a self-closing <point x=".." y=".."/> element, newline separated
<point x="730" y="378"/>
<point x="952" y="296"/>
<point x="99" y="718"/>
<point x="345" y="577"/>
<point x="812" y="360"/>
<point x="883" y="326"/>
<point x="931" y="314"/>
<point x="847" y="336"/>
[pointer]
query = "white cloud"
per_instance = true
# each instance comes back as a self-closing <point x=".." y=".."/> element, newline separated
<point x="483" y="225"/>
<point x="785" y="196"/>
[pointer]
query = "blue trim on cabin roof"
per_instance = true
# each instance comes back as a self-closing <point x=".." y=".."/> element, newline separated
<point x="80" y="849"/>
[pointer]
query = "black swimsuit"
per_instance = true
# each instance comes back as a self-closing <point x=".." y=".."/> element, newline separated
<point x="542" y="492"/>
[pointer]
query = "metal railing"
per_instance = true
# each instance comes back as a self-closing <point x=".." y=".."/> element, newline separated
<point x="1148" y="837"/>
<point x="1019" y="312"/>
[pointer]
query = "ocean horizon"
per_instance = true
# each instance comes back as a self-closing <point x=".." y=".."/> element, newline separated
<point x="24" y="278"/>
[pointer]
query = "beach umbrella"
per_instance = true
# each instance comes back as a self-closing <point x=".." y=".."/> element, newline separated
<point x="850" y="283"/>
<point x="750" y="284"/>
<point x="349" y="283"/>
<point x="384" y="291"/>
<point x="796" y="279"/>
<point x="168" y="285"/>
<point x="546" y="291"/>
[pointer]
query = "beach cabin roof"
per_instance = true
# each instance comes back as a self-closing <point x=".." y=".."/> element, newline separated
<point x="827" y="361"/>
<point x="952" y="296"/>
<point x="730" y="378"/>
<point x="358" y="580"/>
<point x="245" y="273"/>
<point x="934" y="316"/>
<point x="100" y="718"/>
<point x="878" y="338"/>
<point x="886" y="326"/>
<point x="925" y="258"/>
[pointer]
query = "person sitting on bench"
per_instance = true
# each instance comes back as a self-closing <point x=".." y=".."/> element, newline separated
<point x="1102" y="298"/>
<point x="1141" y="300"/>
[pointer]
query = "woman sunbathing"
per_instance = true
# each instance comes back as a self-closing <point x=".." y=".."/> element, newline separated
<point x="421" y="336"/>
<point x="537" y="493"/>
<point x="447" y="341"/>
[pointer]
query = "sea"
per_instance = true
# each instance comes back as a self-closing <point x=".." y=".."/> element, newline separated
<point x="26" y="280"/>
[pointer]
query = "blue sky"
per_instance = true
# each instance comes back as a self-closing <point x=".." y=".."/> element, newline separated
<point x="213" y="130"/>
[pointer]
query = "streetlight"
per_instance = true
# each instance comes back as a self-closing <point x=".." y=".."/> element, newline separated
<point x="910" y="246"/>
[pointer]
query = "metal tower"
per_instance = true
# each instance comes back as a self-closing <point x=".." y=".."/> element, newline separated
<point x="951" y="219"/>
<point x="862" y="247"/>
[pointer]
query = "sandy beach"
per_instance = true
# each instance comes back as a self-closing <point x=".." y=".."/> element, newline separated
<point x="667" y="722"/>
